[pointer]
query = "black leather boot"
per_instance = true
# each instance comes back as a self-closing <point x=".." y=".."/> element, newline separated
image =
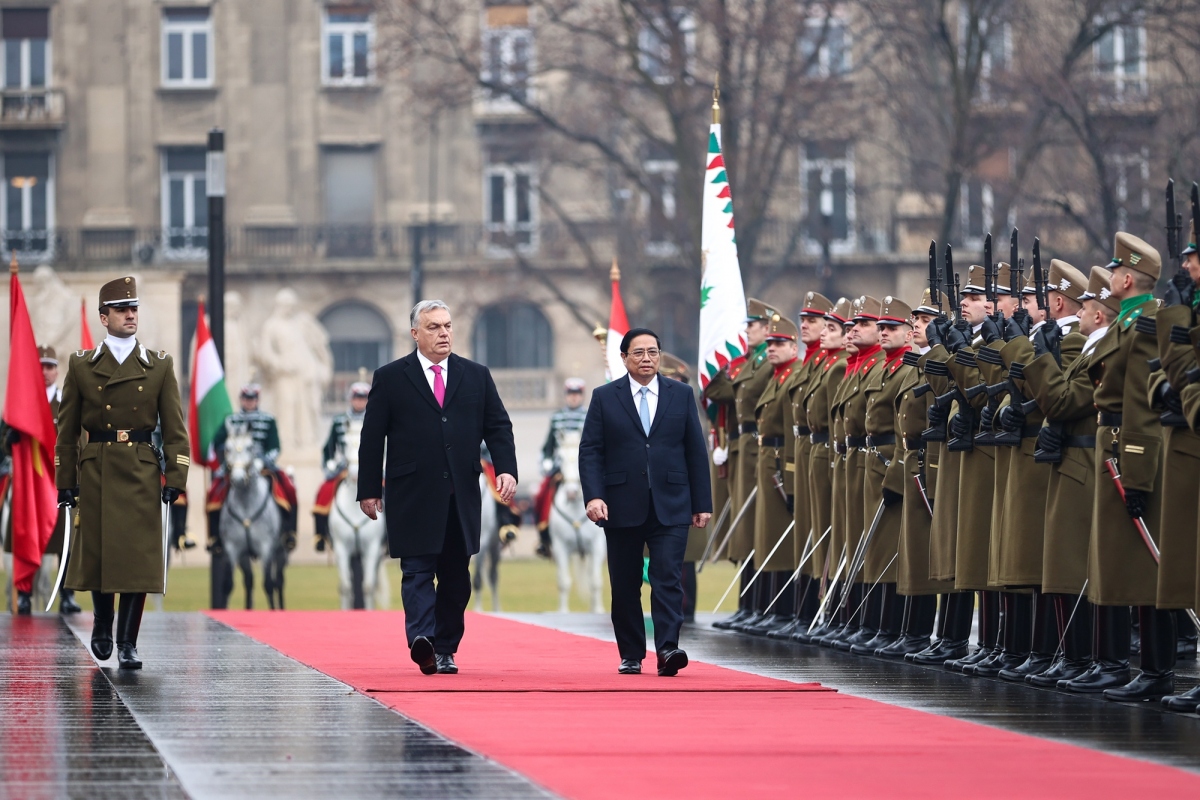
<point x="760" y="591"/>
<point x="864" y="618"/>
<point x="1186" y="703"/>
<point x="1157" y="678"/>
<point x="826" y="626"/>
<point x="102" y="625"/>
<point x="1045" y="641"/>
<point x="891" y="621"/>
<point x="745" y="608"/>
<point x="24" y="603"/>
<point x="847" y="622"/>
<point x="954" y="634"/>
<point x="1185" y="646"/>
<point x="916" y="628"/>
<point x="1016" y="628"/>
<point x="780" y="614"/>
<point x="66" y="602"/>
<point x="1110" y="653"/>
<point x="1076" y="654"/>
<point x="129" y="622"/>
<point x="989" y="633"/>
<point x="786" y="604"/>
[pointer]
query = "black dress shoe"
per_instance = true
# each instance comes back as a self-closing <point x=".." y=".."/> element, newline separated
<point x="422" y="655"/>
<point x="749" y="621"/>
<point x="630" y="666"/>
<point x="992" y="667"/>
<point x="670" y="661"/>
<point x="1186" y="703"/>
<point x="1064" y="669"/>
<point x="1100" y="675"/>
<point x="1185" y="649"/>
<point x="966" y="662"/>
<point x="24" y="604"/>
<point x="729" y="622"/>
<point x="872" y="647"/>
<point x="445" y="664"/>
<point x="1146" y="686"/>
<point x="66" y="603"/>
<point x="1035" y="664"/>
<point x="938" y="653"/>
<point x="788" y="630"/>
<point x="102" y="625"/>
<point x="127" y="656"/>
<point x="904" y="646"/>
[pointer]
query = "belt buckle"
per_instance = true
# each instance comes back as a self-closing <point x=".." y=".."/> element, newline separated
<point x="122" y="436"/>
<point x="795" y="431"/>
<point x="759" y="438"/>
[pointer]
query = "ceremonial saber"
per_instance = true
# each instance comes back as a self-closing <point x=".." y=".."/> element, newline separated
<point x="166" y="519"/>
<point x="873" y="585"/>
<point x="829" y="592"/>
<point x="1070" y="619"/>
<point x="860" y="554"/>
<point x="733" y="526"/>
<point x="733" y="583"/>
<point x="767" y="559"/>
<point x="924" y="495"/>
<point x="62" y="562"/>
<point x="804" y="557"/>
<point x="1139" y="523"/>
<point x="712" y="535"/>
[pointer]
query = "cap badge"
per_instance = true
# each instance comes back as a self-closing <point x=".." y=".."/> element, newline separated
<point x="1134" y="258"/>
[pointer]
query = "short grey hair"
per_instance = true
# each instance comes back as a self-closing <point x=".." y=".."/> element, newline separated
<point x="422" y="307"/>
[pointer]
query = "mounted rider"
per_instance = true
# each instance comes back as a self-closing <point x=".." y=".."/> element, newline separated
<point x="334" y="458"/>
<point x="265" y="434"/>
<point x="568" y="418"/>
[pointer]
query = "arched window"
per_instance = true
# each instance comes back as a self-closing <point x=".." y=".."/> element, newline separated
<point x="359" y="336"/>
<point x="513" y="336"/>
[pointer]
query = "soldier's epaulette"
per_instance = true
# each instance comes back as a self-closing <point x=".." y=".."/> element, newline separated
<point x="912" y="358"/>
<point x="1180" y="335"/>
<point x="1145" y="325"/>
<point x="965" y="358"/>
<point x="989" y="356"/>
<point x="162" y="355"/>
<point x="82" y="353"/>
<point x="937" y="368"/>
<point x="1134" y="317"/>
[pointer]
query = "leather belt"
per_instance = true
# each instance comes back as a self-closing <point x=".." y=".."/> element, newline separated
<point x="1085" y="442"/>
<point x="881" y="440"/>
<point x="800" y="430"/>
<point x="913" y="442"/>
<point x="121" y="436"/>
<point x="770" y="441"/>
<point x="856" y="441"/>
<point x="1109" y="419"/>
<point x="839" y="448"/>
<point x="819" y="437"/>
<point x="749" y="427"/>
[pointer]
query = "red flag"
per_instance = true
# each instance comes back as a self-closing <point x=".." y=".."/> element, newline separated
<point x="85" y="333"/>
<point x="27" y="410"/>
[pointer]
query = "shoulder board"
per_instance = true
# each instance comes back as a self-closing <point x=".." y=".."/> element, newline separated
<point x="1131" y="319"/>
<point x="81" y="353"/>
<point x="162" y="354"/>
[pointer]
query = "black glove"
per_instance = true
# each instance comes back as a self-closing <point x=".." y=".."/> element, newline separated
<point x="956" y="339"/>
<point x="891" y="498"/>
<point x="1169" y="399"/>
<point x="1050" y="439"/>
<point x="1137" y="502"/>
<point x="986" y="418"/>
<point x="960" y="426"/>
<point x="938" y="415"/>
<point x="1183" y="284"/>
<point x="1012" y="419"/>
<point x="170" y="494"/>
<point x="68" y="497"/>
<point x="937" y="330"/>
<point x="1019" y="324"/>
<point x="990" y="330"/>
<point x="791" y="503"/>
<point x="11" y="437"/>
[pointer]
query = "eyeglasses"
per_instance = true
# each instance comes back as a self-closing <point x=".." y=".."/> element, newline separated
<point x="640" y="354"/>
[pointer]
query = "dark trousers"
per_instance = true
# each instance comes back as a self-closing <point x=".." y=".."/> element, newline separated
<point x="437" y="613"/>
<point x="625" y="548"/>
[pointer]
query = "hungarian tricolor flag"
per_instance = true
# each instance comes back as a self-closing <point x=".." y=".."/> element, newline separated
<point x="85" y="334"/>
<point x="722" y="298"/>
<point x="618" y="326"/>
<point x="208" y="400"/>
<point x="34" y="504"/>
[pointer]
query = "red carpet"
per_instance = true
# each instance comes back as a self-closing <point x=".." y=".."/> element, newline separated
<point x="549" y="706"/>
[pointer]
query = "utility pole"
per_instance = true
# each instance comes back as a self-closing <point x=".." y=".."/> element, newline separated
<point x="220" y="570"/>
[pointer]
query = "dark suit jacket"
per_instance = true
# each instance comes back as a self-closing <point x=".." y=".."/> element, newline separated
<point x="431" y="451"/>
<point x="620" y="464"/>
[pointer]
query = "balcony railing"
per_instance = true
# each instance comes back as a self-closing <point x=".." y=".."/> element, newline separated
<point x="32" y="109"/>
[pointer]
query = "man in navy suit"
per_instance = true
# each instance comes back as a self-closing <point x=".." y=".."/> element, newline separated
<point x="432" y="409"/>
<point x="644" y="468"/>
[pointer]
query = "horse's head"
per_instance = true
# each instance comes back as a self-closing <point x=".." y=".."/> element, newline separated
<point x="241" y="457"/>
<point x="568" y="455"/>
<point x="350" y="439"/>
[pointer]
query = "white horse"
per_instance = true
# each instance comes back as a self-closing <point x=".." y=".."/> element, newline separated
<point x="571" y="532"/>
<point x="251" y="522"/>
<point x="355" y="534"/>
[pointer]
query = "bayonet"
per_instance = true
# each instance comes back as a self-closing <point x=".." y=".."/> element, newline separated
<point x="767" y="560"/>
<point x="745" y="563"/>
<point x="935" y="278"/>
<point x="1039" y="279"/>
<point x="712" y="535"/>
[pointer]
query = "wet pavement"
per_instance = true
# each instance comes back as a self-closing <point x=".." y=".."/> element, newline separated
<point x="1144" y="730"/>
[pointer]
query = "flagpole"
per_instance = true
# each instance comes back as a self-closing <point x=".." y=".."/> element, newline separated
<point x="13" y="269"/>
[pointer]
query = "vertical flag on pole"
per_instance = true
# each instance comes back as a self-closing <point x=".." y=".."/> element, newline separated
<point x="208" y="400"/>
<point x="618" y="326"/>
<point x="722" y="298"/>
<point x="34" y="501"/>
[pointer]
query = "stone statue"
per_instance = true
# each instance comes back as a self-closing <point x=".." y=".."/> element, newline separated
<point x="239" y="368"/>
<point x="54" y="311"/>
<point x="296" y="364"/>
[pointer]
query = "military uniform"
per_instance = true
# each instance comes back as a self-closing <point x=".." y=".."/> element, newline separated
<point x="563" y="420"/>
<point x="333" y="454"/>
<point x="118" y="546"/>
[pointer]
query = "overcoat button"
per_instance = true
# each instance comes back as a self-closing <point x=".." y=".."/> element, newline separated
<point x="443" y="419"/>
<point x="445" y="474"/>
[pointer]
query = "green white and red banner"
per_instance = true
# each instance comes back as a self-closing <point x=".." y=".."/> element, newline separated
<point x="208" y="401"/>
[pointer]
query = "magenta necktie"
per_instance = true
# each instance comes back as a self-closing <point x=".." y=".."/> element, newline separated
<point x="439" y="386"/>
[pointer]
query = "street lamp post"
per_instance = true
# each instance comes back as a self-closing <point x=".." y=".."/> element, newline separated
<point x="220" y="571"/>
<point x="826" y="269"/>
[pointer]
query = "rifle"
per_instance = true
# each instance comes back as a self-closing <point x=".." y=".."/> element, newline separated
<point x="1174" y="222"/>
<point x="935" y="278"/>
<point x="1039" y="280"/>
<point x="990" y="276"/>
<point x="1196" y="208"/>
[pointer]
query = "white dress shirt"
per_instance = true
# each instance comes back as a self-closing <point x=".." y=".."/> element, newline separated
<point x="120" y="348"/>
<point x="52" y="393"/>
<point x="429" y="374"/>
<point x="1067" y="322"/>
<point x="1096" y="336"/>
<point x="651" y="396"/>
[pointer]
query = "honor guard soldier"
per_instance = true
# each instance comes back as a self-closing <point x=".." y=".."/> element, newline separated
<point x="333" y="455"/>
<point x="741" y="383"/>
<point x="265" y="433"/>
<point x="117" y="394"/>
<point x="672" y="366"/>
<point x="568" y="418"/>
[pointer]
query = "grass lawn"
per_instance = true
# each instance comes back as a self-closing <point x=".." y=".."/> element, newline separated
<point x="525" y="585"/>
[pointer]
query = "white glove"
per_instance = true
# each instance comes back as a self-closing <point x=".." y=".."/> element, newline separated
<point x="547" y="466"/>
<point x="720" y="455"/>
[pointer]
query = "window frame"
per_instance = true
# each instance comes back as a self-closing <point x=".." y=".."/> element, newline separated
<point x="188" y="30"/>
<point x="668" y="168"/>
<point x="846" y="245"/>
<point x="511" y="227"/>
<point x="658" y="67"/>
<point x="27" y="209"/>
<point x="347" y="31"/>
<point x="1124" y="83"/>
<point x="1123" y="163"/>
<point x="987" y="211"/>
<point x="822" y="68"/>
<point x="502" y="98"/>
<point x="27" y="66"/>
<point x="191" y="251"/>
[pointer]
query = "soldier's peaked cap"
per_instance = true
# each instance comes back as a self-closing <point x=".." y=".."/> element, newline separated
<point x="758" y="311"/>
<point x="895" y="312"/>
<point x="252" y="390"/>
<point x="1189" y="246"/>
<point x="47" y="356"/>
<point x="121" y="293"/>
<point x="840" y="312"/>
<point x="782" y="328"/>
<point x="1066" y="279"/>
<point x="1136" y="254"/>
<point x="673" y="366"/>
<point x="358" y="389"/>
<point x="867" y="308"/>
<point x="926" y="305"/>
<point x="1098" y="289"/>
<point x="816" y="305"/>
<point x="975" y="280"/>
<point x="1003" y="278"/>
